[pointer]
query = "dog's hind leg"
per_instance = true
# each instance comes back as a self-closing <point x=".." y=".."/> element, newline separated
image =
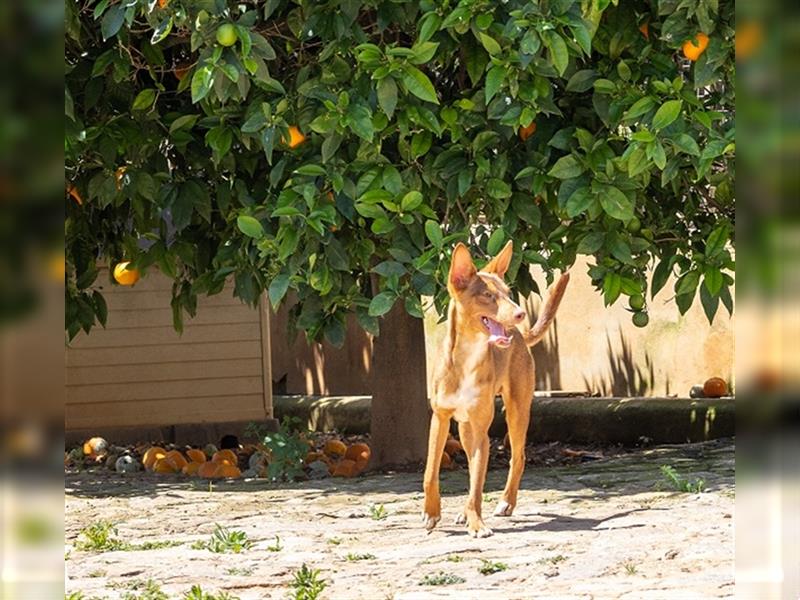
<point x="517" y="397"/>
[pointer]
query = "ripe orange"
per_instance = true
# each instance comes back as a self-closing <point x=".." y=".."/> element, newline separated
<point x="453" y="447"/>
<point x="335" y="448"/>
<point x="447" y="462"/>
<point x="296" y="137"/>
<point x="645" y="29"/>
<point x="312" y="457"/>
<point x="152" y="455"/>
<point x="358" y="451"/>
<point x="526" y="132"/>
<point x="192" y="468"/>
<point x="164" y="466"/>
<point x="125" y="276"/>
<point x="95" y="446"/>
<point x="226" y="470"/>
<point x="209" y="470"/>
<point x="715" y="387"/>
<point x="225" y="455"/>
<point x="181" y="70"/>
<point x="692" y="50"/>
<point x="749" y="36"/>
<point x="345" y="468"/>
<point x="176" y="459"/>
<point x="196" y="455"/>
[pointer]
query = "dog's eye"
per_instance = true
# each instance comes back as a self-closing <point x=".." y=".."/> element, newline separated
<point x="488" y="295"/>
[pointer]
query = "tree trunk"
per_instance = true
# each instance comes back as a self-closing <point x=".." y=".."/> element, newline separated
<point x="400" y="410"/>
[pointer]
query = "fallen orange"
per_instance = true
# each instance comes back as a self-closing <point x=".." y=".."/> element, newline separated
<point x="176" y="459"/>
<point x="196" y="455"/>
<point x="163" y="465"/>
<point x="152" y="455"/>
<point x="345" y="468"/>
<point x="225" y="454"/>
<point x="335" y="448"/>
<point x="192" y="468"/>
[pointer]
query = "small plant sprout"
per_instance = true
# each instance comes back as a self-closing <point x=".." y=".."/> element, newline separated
<point x="307" y="584"/>
<point x="277" y="546"/>
<point x="489" y="567"/>
<point x="378" y="512"/>
<point x="355" y="557"/>
<point x="225" y="540"/>
<point x="681" y="484"/>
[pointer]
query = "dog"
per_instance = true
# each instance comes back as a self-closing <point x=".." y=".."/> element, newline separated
<point x="484" y="354"/>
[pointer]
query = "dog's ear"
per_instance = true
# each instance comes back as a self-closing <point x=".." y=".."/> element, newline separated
<point x="462" y="269"/>
<point x="499" y="264"/>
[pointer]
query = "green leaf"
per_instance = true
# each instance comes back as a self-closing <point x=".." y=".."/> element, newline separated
<point x="423" y="52"/>
<point x="582" y="81"/>
<point x="277" y="289"/>
<point x="186" y="121"/>
<point x="615" y="203"/>
<point x="637" y="162"/>
<point x="612" y="286"/>
<point x="712" y="278"/>
<point x="559" y="56"/>
<point x="411" y="201"/>
<point x="687" y="283"/>
<point x="496" y="240"/>
<point x="250" y="226"/>
<point x="417" y="83"/>
<point x="389" y="268"/>
<point x="100" y="307"/>
<point x="361" y="121"/>
<point x="112" y="21"/>
<point x="494" y="79"/>
<point x="387" y="95"/>
<point x="661" y="274"/>
<point x="202" y="80"/>
<point x="566" y="167"/>
<point x="161" y="31"/>
<point x="429" y="24"/>
<point x="591" y="242"/>
<point x="434" y="233"/>
<point x="578" y="202"/>
<point x="381" y="304"/>
<point x="716" y="240"/>
<point x="710" y="304"/>
<point x="144" y="99"/>
<point x="686" y="143"/>
<point x="491" y="45"/>
<point x="497" y="188"/>
<point x="421" y="143"/>
<point x="666" y="114"/>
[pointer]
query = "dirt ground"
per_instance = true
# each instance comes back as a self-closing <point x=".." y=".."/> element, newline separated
<point x="608" y="528"/>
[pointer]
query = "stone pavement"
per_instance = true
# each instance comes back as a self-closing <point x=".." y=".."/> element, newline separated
<point x="612" y="528"/>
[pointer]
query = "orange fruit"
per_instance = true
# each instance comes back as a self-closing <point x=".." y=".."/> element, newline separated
<point x="125" y="276"/>
<point x="176" y="459"/>
<point x="196" y="455"/>
<point x="645" y="29"/>
<point x="191" y="468"/>
<point x="693" y="48"/>
<point x="312" y="456"/>
<point x="447" y="462"/>
<point x="163" y="3"/>
<point x="226" y="454"/>
<point x="226" y="470"/>
<point x="749" y="36"/>
<point x="181" y="70"/>
<point x="72" y="191"/>
<point x="452" y="447"/>
<point x="296" y="137"/>
<point x="95" y="446"/>
<point x="152" y="455"/>
<point x="345" y="468"/>
<point x="164" y="466"/>
<point x="358" y="451"/>
<point x="209" y="470"/>
<point x="335" y="448"/>
<point x="526" y="132"/>
<point x="715" y="387"/>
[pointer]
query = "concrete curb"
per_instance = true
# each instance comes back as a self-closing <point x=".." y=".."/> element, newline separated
<point x="578" y="420"/>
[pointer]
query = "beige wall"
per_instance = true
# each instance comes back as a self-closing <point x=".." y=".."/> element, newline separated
<point x="140" y="372"/>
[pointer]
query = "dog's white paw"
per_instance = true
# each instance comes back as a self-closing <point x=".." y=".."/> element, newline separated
<point x="461" y="519"/>
<point x="504" y="509"/>
<point x="430" y="521"/>
<point x="483" y="532"/>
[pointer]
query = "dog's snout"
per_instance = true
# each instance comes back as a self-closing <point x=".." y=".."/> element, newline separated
<point x="519" y="315"/>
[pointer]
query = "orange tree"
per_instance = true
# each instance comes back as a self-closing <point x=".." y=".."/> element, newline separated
<point x="337" y="149"/>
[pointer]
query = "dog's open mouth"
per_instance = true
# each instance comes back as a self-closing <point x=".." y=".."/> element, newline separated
<point x="497" y="333"/>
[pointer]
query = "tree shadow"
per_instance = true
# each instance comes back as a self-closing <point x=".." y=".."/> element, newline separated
<point x="547" y="353"/>
<point x="624" y="377"/>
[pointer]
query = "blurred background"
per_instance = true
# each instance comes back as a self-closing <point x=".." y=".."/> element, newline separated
<point x="31" y="305"/>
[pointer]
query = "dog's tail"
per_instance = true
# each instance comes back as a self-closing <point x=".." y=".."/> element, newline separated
<point x="536" y="333"/>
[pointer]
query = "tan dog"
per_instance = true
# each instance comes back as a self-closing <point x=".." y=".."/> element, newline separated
<point x="484" y="354"/>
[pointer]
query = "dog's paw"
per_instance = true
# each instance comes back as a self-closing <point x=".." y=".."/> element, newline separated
<point x="430" y="521"/>
<point x="481" y="532"/>
<point x="504" y="509"/>
<point x="461" y="519"/>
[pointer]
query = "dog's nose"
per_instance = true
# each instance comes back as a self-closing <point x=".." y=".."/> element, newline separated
<point x="519" y="315"/>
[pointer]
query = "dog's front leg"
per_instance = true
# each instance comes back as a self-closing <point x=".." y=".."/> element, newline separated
<point x="475" y="438"/>
<point x="436" y="442"/>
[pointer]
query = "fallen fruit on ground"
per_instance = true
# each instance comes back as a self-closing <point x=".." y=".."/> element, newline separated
<point x="358" y="452"/>
<point x="335" y="448"/>
<point x="163" y="465"/>
<point x="447" y="462"/>
<point x="226" y="35"/>
<point x="125" y="276"/>
<point x="715" y="387"/>
<point x="453" y="447"/>
<point x="196" y="455"/>
<point x="192" y="468"/>
<point x="208" y="470"/>
<point x="176" y="459"/>
<point x="296" y="137"/>
<point x="152" y="455"/>
<point x="225" y="455"/>
<point x="95" y="446"/>
<point x="345" y="468"/>
<point x="226" y="470"/>
<point x="694" y="48"/>
<point x="312" y="456"/>
<point x="526" y="132"/>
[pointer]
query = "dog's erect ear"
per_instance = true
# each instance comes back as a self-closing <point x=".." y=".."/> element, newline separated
<point x="499" y="264"/>
<point x="462" y="269"/>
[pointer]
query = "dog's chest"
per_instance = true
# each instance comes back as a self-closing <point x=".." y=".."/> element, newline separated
<point x="464" y="387"/>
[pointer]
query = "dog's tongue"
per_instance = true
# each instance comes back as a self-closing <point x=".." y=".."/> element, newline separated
<point x="496" y="332"/>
